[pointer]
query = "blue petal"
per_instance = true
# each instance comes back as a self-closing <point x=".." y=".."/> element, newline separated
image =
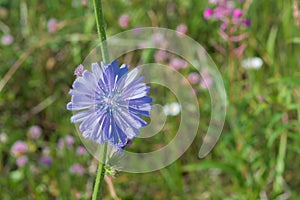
<point x="97" y="133"/>
<point x="105" y="128"/>
<point x="88" y="123"/>
<point x="141" y="92"/>
<point x="141" y="100"/>
<point x="97" y="71"/>
<point x="86" y="134"/>
<point x="115" y="64"/>
<point x="82" y="100"/>
<point x="123" y="70"/>
<point x="135" y="82"/>
<point x="80" y="92"/>
<point x="109" y="78"/>
<point x="126" y="127"/>
<point x="102" y="87"/>
<point x="121" y="135"/>
<point x="80" y="116"/>
<point x="84" y="87"/>
<point x="139" y="112"/>
<point x="143" y="107"/>
<point x="131" y="76"/>
<point x="140" y="120"/>
<point x="136" y="89"/>
<point x="71" y="106"/>
<point x="89" y="77"/>
<point x="113" y="135"/>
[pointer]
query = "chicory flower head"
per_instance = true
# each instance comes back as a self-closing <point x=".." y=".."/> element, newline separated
<point x="109" y="102"/>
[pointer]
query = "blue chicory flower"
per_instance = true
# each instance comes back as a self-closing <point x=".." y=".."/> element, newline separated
<point x="109" y="103"/>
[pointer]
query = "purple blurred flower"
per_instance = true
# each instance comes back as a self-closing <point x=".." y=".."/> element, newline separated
<point x="46" y="161"/>
<point x="206" y="79"/>
<point x="7" y="40"/>
<point x="143" y="44"/>
<point x="230" y="5"/>
<point x="223" y="26"/>
<point x="260" y="98"/>
<point x="77" y="169"/>
<point x="61" y="143"/>
<point x="19" y="148"/>
<point x="158" y="38"/>
<point x="34" y="132"/>
<point x="296" y="13"/>
<point x="208" y="13"/>
<point x="69" y="140"/>
<point x="79" y="70"/>
<point x="80" y="150"/>
<point x="247" y="22"/>
<point x="124" y="20"/>
<point x="193" y="78"/>
<point x="84" y="2"/>
<point x="21" y="161"/>
<point x="221" y="12"/>
<point x="161" y="55"/>
<point x="213" y="1"/>
<point x="177" y="63"/>
<point x="52" y="25"/>
<point x="237" y="14"/>
<point x="137" y="30"/>
<point x="181" y="29"/>
<point x="110" y="101"/>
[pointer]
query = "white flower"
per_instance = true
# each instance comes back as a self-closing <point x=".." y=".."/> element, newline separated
<point x="252" y="63"/>
<point x="172" y="109"/>
<point x="3" y="137"/>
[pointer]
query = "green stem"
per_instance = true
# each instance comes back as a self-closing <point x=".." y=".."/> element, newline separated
<point x="279" y="180"/>
<point x="105" y="57"/>
<point x="100" y="172"/>
<point x="278" y="183"/>
<point x="101" y="30"/>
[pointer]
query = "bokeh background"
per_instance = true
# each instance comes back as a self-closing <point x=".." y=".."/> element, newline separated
<point x="255" y="45"/>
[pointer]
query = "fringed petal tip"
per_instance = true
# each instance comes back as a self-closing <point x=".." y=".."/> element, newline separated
<point x="69" y="106"/>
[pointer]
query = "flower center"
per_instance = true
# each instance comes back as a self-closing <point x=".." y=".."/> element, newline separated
<point x="111" y="101"/>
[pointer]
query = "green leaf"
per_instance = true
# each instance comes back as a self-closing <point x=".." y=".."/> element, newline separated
<point x="271" y="42"/>
<point x="277" y="133"/>
<point x="286" y="80"/>
<point x="295" y="40"/>
<point x="206" y="164"/>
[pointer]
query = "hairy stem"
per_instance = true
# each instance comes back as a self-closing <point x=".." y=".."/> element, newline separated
<point x="104" y="51"/>
<point x="101" y="30"/>
<point x="100" y="172"/>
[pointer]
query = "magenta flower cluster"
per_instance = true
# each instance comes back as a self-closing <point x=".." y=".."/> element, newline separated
<point x="227" y="12"/>
<point x="21" y="150"/>
<point x="33" y="154"/>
